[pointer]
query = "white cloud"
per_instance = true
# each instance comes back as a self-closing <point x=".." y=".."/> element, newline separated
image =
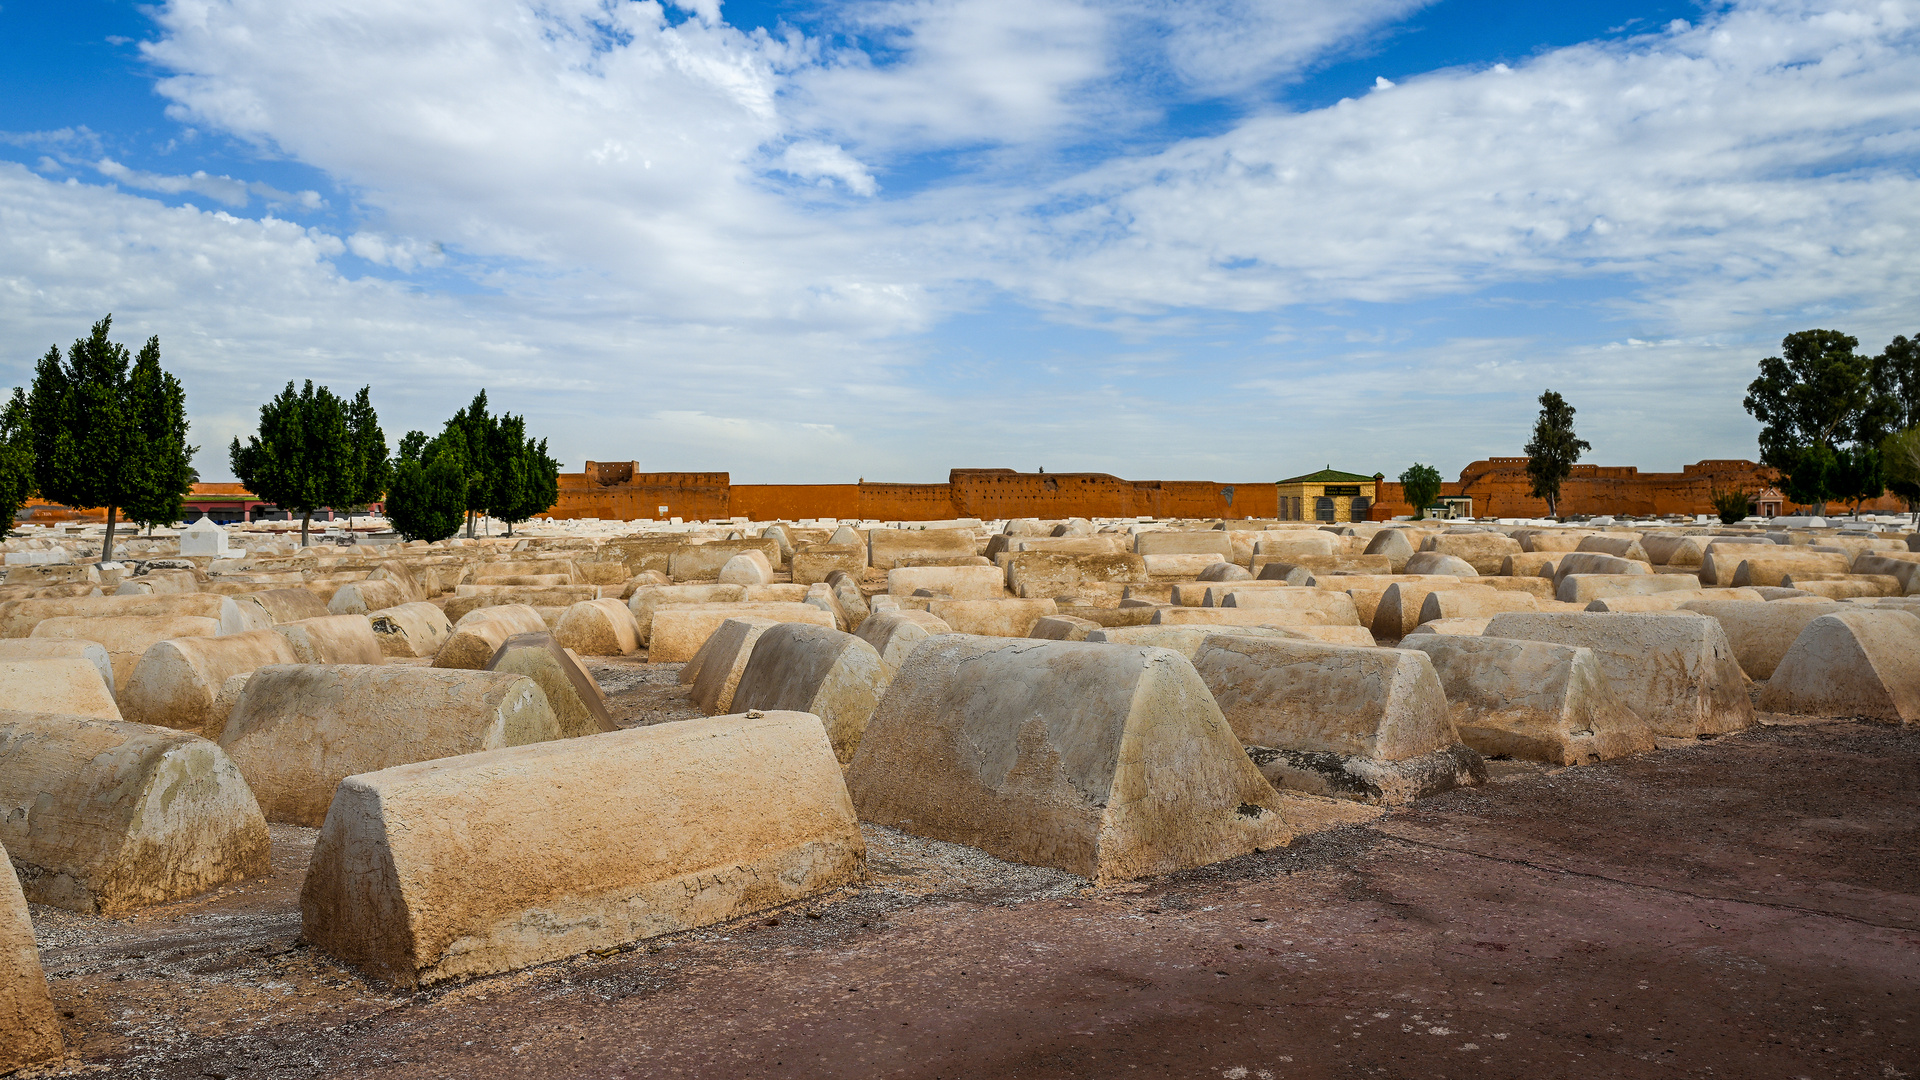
<point x="241" y="306"/>
<point x="1754" y="164"/>
<point x="819" y="161"/>
<point x="622" y="188"/>
<point x="958" y="72"/>
<point x="404" y="254"/>
<point x="942" y="74"/>
<point x="1226" y="47"/>
<point x="223" y="189"/>
<point x="588" y="138"/>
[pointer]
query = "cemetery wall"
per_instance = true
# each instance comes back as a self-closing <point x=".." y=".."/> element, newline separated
<point x="1499" y="487"/>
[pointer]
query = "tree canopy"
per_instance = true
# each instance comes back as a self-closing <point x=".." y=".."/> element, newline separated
<point x="1553" y="450"/>
<point x="109" y="430"/>
<point x="158" y="408"/>
<point x="427" y="495"/>
<point x="508" y="475"/>
<point x="525" y="480"/>
<point x="17" y="484"/>
<point x="1814" y="394"/>
<point x="1421" y="485"/>
<point x="371" y="471"/>
<point x="1826" y="410"/>
<point x="1896" y="386"/>
<point x="1900" y="463"/>
<point x="304" y="456"/>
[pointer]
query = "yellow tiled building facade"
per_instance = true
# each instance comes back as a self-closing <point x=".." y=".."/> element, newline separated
<point x="1327" y="496"/>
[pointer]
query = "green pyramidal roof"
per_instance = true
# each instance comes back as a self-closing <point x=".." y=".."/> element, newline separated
<point x="1328" y="475"/>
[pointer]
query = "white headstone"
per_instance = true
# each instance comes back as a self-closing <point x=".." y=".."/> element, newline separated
<point x="203" y="537"/>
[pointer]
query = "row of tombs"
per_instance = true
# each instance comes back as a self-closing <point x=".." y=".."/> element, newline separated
<point x="1116" y="700"/>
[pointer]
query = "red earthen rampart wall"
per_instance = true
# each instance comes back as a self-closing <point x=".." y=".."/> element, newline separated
<point x="1499" y="487"/>
<point x="617" y="491"/>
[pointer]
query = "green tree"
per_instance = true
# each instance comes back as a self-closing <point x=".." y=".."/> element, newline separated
<point x="1900" y="463"/>
<point x="1815" y="397"/>
<point x="427" y="495"/>
<point x="158" y="408"/>
<point x="110" y="432"/>
<point x="16" y="460"/>
<point x="1554" y="449"/>
<point x="412" y="445"/>
<point x="1896" y="387"/>
<point x="1732" y="504"/>
<point x="509" y="476"/>
<point x="525" y="480"/>
<point x="478" y="438"/>
<point x="1857" y="474"/>
<point x="542" y="485"/>
<point x="1421" y="485"/>
<point x="303" y="457"/>
<point x="371" y="471"/>
<point x="1807" y="476"/>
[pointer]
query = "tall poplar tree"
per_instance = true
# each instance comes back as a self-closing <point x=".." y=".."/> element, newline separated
<point x="1553" y="450"/>
<point x="158" y="410"/>
<point x="524" y="480"/>
<point x="371" y="471"/>
<point x="16" y="459"/>
<point x="110" y="432"/>
<point x="477" y="438"/>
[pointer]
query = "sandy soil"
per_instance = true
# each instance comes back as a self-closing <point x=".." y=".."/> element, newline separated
<point x="1744" y="907"/>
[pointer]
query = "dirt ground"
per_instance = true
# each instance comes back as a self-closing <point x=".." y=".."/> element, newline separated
<point x="1745" y="907"/>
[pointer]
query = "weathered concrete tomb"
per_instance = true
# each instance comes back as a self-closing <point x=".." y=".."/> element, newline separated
<point x="1110" y="761"/>
<point x="816" y="670"/>
<point x="29" y="1027"/>
<point x="1368" y="724"/>
<point x="592" y="733"/>
<point x="1533" y="700"/>
<point x="492" y="861"/>
<point x="299" y="729"/>
<point x="106" y="816"/>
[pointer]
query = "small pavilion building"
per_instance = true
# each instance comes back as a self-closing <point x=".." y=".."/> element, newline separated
<point x="1327" y="496"/>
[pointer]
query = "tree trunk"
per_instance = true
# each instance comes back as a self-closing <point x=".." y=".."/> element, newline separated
<point x="1553" y="507"/>
<point x="106" y="549"/>
<point x="469" y="524"/>
<point x="509" y="528"/>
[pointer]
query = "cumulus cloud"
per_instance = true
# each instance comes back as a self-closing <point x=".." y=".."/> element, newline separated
<point x="1024" y="73"/>
<point x="242" y="305"/>
<point x="653" y="206"/>
<point x="1753" y="164"/>
<point x="588" y="137"/>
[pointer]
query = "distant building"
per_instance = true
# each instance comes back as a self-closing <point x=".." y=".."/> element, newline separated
<point x="1328" y="495"/>
<point x="223" y="503"/>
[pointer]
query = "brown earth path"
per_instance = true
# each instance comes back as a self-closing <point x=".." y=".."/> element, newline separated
<point x="1747" y="907"/>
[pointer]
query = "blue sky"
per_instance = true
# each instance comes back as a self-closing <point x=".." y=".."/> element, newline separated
<point x="801" y="241"/>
